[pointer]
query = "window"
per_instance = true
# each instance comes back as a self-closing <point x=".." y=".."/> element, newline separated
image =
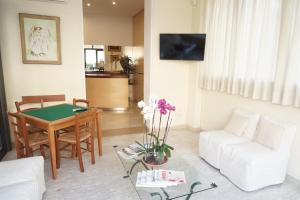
<point x="93" y="56"/>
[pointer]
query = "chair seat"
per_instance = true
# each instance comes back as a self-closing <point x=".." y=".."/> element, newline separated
<point x="70" y="137"/>
<point x="36" y="138"/>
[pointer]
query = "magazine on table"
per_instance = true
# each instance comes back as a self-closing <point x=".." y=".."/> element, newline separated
<point x="160" y="178"/>
<point x="132" y="151"/>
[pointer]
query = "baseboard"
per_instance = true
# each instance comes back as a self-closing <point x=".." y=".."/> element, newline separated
<point x="134" y="130"/>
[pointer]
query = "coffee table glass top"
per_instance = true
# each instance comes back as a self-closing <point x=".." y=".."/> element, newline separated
<point x="194" y="182"/>
<point x="53" y="113"/>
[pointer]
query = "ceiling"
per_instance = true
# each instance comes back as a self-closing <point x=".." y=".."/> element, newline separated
<point x="106" y="7"/>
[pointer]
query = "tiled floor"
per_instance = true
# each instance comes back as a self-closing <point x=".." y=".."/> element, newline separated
<point x="120" y="122"/>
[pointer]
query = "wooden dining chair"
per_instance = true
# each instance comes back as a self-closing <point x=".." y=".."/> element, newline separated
<point x="80" y="102"/>
<point x="83" y="103"/>
<point x="84" y="130"/>
<point x="26" y="143"/>
<point x="28" y="105"/>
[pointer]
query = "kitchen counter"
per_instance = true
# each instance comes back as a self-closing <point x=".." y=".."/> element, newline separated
<point x="96" y="74"/>
<point x="108" y="90"/>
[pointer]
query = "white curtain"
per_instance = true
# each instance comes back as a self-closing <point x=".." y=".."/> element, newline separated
<point x="253" y="49"/>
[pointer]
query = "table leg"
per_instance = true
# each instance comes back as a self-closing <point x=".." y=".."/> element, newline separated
<point x="99" y="133"/>
<point x="51" y="137"/>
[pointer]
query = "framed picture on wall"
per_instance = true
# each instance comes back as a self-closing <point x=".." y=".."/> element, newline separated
<point x="40" y="39"/>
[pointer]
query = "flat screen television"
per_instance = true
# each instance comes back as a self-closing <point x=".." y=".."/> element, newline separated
<point x="182" y="46"/>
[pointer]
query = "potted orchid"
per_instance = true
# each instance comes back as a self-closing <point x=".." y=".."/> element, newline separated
<point x="155" y="148"/>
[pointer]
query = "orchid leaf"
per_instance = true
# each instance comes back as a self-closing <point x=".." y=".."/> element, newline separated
<point x="143" y="146"/>
<point x="169" y="147"/>
<point x="167" y="152"/>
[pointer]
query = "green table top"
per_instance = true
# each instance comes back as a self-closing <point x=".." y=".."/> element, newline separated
<point x="53" y="113"/>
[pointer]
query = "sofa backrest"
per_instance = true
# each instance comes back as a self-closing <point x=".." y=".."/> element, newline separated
<point x="250" y="130"/>
<point x="283" y="137"/>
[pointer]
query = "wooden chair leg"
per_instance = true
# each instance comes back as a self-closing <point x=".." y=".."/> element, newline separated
<point x="29" y="152"/>
<point x="79" y="154"/>
<point x="57" y="152"/>
<point x="73" y="150"/>
<point x="19" y="149"/>
<point x="42" y="151"/>
<point x="92" y="149"/>
<point x="87" y="144"/>
<point x="22" y="152"/>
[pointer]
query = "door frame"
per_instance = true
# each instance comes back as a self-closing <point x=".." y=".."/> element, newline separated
<point x="4" y="128"/>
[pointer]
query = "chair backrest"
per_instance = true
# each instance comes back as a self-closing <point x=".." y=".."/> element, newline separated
<point x="17" y="126"/>
<point x="78" y="102"/>
<point x="38" y="99"/>
<point x="85" y="122"/>
<point x="44" y="98"/>
<point x="20" y="104"/>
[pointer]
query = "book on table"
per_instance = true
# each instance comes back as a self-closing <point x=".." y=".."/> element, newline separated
<point x="160" y="178"/>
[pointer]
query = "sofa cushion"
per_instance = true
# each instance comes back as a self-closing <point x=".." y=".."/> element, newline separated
<point x="270" y="133"/>
<point x="252" y="166"/>
<point x="237" y="124"/>
<point x="29" y="171"/>
<point x="27" y="190"/>
<point x="253" y="121"/>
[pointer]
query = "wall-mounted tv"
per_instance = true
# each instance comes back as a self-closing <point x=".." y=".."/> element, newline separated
<point x="182" y="46"/>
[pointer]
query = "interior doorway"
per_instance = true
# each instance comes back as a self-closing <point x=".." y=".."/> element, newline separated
<point x="114" y="35"/>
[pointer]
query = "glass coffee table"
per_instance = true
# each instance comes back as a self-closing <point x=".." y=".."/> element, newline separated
<point x="194" y="183"/>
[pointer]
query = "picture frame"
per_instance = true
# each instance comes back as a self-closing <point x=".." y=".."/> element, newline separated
<point x="40" y="39"/>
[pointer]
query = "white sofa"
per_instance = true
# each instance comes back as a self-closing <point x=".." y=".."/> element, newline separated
<point x="255" y="165"/>
<point x="22" y="179"/>
<point x="250" y="163"/>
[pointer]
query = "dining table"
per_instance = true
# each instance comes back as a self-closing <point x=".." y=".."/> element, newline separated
<point x="55" y="118"/>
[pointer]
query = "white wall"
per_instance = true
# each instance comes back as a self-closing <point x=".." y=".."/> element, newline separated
<point x="35" y="79"/>
<point x="216" y="109"/>
<point x="107" y="30"/>
<point x="195" y="93"/>
<point x="169" y="79"/>
<point x="178" y="80"/>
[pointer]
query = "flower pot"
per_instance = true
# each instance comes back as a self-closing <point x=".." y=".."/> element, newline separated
<point x="153" y="162"/>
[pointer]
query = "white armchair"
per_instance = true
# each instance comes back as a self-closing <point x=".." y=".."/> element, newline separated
<point x="22" y="179"/>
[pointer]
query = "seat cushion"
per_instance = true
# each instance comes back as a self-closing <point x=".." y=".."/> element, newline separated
<point x="210" y="144"/>
<point x="252" y="166"/>
<point x="28" y="190"/>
